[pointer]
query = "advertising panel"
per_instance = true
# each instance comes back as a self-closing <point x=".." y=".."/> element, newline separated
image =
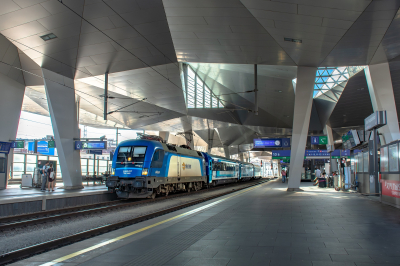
<point x="391" y="188"/>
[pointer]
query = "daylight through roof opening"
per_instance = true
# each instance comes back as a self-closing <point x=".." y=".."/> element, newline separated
<point x="198" y="94"/>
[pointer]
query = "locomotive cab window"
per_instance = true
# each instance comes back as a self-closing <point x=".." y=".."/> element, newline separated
<point x="158" y="159"/>
<point x="128" y="156"/>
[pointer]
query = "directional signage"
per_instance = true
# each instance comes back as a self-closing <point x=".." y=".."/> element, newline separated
<point x="314" y="140"/>
<point x="335" y="154"/>
<point x="271" y="143"/>
<point x="98" y="152"/>
<point x="18" y="144"/>
<point x="90" y="145"/>
<point x="317" y="153"/>
<point x="323" y="140"/>
<point x="281" y="154"/>
<point x="5" y="147"/>
<point x="319" y="140"/>
<point x="51" y="144"/>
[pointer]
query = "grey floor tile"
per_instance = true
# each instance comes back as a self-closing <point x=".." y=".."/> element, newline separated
<point x="205" y="261"/>
<point x="333" y="263"/>
<point x="234" y="254"/>
<point x="351" y="258"/>
<point x="178" y="261"/>
<point x="248" y="262"/>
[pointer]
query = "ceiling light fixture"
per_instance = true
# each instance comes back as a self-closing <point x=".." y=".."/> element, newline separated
<point x="48" y="37"/>
<point x="292" y="40"/>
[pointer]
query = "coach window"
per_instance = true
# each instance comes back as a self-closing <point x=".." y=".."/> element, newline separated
<point x="158" y="159"/>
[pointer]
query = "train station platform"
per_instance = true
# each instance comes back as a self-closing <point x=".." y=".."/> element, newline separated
<point x="16" y="200"/>
<point x="261" y="225"/>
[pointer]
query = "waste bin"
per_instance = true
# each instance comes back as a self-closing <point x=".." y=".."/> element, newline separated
<point x="321" y="182"/>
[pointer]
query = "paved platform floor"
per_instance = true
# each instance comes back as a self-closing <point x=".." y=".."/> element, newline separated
<point x="16" y="192"/>
<point x="264" y="225"/>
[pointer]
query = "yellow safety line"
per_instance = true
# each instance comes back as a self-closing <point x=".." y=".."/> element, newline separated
<point x="141" y="230"/>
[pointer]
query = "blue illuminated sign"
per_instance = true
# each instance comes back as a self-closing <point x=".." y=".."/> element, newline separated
<point x="345" y="152"/>
<point x="281" y="153"/>
<point x="5" y="147"/>
<point x="90" y="145"/>
<point x="97" y="152"/>
<point x="317" y="153"/>
<point x="315" y="140"/>
<point x="271" y="143"/>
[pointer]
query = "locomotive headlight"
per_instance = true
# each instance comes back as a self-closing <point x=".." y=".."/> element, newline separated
<point x="145" y="171"/>
<point x="129" y="159"/>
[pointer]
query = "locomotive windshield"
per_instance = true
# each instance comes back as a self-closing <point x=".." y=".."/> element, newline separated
<point x="131" y="156"/>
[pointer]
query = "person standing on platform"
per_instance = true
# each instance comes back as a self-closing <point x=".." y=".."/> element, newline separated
<point x="44" y="176"/>
<point x="50" y="178"/>
<point x="283" y="176"/>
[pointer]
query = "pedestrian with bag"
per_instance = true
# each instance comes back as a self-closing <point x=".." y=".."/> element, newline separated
<point x="51" y="177"/>
<point x="283" y="175"/>
<point x="44" y="176"/>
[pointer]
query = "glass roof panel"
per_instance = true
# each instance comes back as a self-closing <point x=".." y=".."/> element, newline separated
<point x="329" y="77"/>
<point x="198" y="94"/>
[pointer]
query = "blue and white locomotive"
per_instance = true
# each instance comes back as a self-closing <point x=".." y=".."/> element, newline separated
<point x="145" y="168"/>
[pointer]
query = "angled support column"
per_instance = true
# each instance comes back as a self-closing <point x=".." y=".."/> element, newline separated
<point x="301" y="121"/>
<point x="11" y="98"/>
<point x="227" y="153"/>
<point x="331" y="141"/>
<point x="63" y="108"/>
<point x="164" y="135"/>
<point x="381" y="92"/>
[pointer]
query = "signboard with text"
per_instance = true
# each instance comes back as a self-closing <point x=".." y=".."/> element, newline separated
<point x="391" y="188"/>
<point x="90" y="145"/>
<point x="271" y="143"/>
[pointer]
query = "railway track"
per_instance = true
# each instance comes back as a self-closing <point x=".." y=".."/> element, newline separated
<point x="13" y="222"/>
<point x="63" y="241"/>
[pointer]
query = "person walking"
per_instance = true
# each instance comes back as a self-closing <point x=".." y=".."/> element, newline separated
<point x="44" y="176"/>
<point x="283" y="175"/>
<point x="51" y="177"/>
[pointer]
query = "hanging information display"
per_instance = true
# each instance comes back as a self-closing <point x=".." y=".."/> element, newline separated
<point x="5" y="147"/>
<point x="271" y="143"/>
<point x="90" y="145"/>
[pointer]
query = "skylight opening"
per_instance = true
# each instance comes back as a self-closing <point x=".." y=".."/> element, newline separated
<point x="198" y="94"/>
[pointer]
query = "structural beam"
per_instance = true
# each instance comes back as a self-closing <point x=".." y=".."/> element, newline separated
<point x="63" y="108"/>
<point x="380" y="89"/>
<point x="301" y="120"/>
<point x="105" y="95"/>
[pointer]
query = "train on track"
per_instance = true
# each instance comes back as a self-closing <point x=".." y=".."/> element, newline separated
<point x="145" y="168"/>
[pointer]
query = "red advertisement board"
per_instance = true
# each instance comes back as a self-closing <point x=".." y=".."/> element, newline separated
<point x="391" y="188"/>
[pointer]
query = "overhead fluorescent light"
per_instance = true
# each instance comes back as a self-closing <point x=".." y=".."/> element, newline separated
<point x="292" y="40"/>
<point x="48" y="37"/>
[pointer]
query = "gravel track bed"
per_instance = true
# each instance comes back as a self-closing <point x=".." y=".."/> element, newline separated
<point x="23" y="237"/>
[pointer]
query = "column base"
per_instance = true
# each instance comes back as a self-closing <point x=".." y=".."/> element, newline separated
<point x="294" y="189"/>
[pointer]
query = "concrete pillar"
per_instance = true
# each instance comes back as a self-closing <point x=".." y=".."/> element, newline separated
<point x="301" y="121"/>
<point x="64" y="111"/>
<point x="164" y="135"/>
<point x="381" y="91"/>
<point x="329" y="134"/>
<point x="227" y="153"/>
<point x="241" y="156"/>
<point x="11" y="98"/>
